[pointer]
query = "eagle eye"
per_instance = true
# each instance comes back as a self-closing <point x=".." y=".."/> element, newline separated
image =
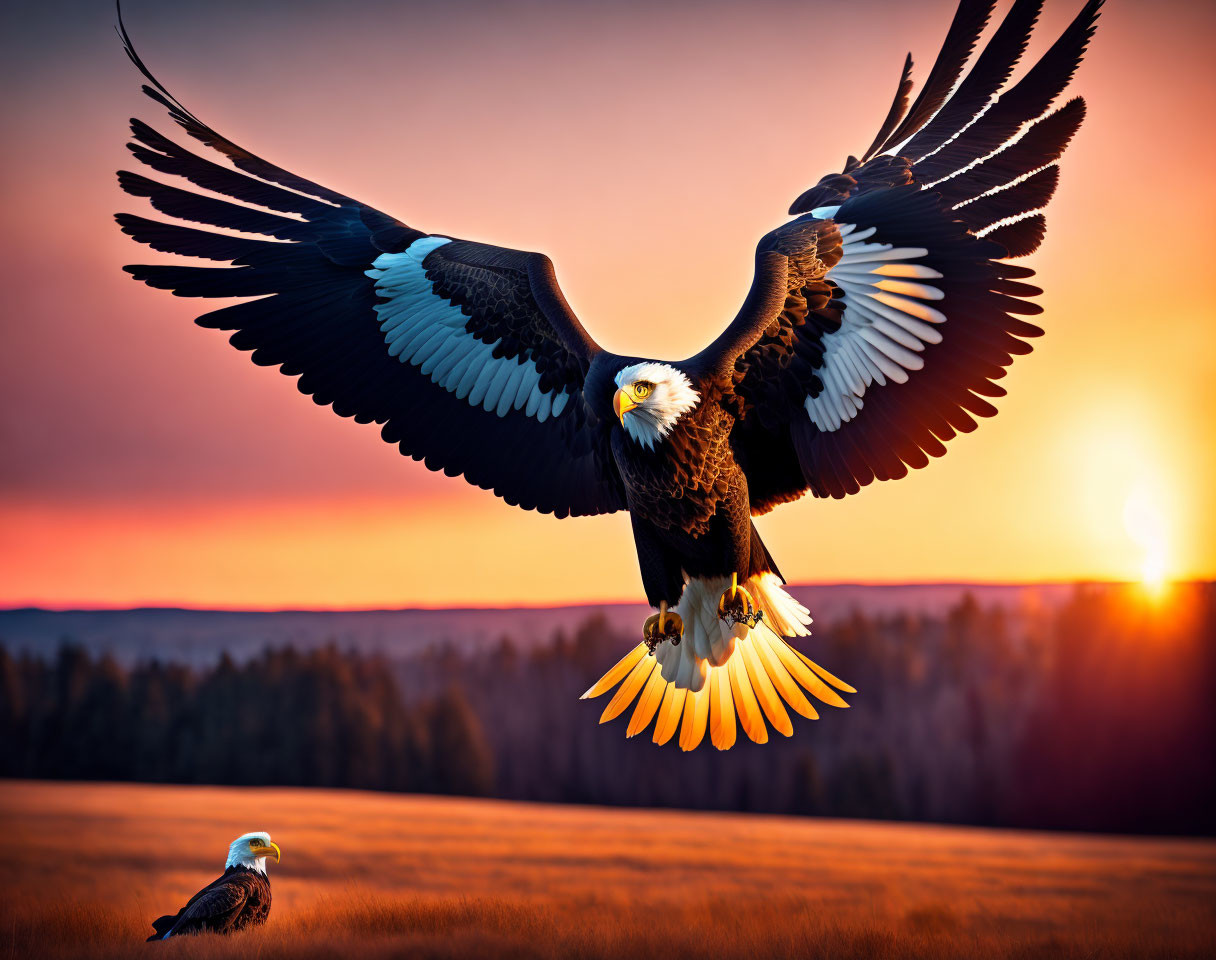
<point x="642" y="389"/>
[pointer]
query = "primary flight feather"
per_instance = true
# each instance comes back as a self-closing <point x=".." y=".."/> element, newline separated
<point x="879" y="320"/>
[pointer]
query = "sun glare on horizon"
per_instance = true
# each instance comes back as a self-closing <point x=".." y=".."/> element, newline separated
<point x="1145" y="524"/>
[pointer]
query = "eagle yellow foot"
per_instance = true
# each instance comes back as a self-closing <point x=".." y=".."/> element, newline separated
<point x="737" y="605"/>
<point x="661" y="626"/>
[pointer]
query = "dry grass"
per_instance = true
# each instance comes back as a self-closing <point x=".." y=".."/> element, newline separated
<point x="382" y="876"/>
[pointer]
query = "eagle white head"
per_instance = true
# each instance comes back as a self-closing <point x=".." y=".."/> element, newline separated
<point x="650" y="398"/>
<point x="251" y="850"/>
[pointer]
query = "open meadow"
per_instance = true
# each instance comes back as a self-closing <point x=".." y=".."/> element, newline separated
<point x="379" y="875"/>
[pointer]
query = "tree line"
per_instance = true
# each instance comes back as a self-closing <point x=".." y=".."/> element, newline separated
<point x="324" y="718"/>
<point x="1097" y="715"/>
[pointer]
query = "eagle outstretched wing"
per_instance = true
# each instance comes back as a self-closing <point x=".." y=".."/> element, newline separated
<point x="466" y="353"/>
<point x="880" y="318"/>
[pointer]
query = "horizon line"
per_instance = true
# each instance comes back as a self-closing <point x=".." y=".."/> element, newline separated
<point x="85" y="607"/>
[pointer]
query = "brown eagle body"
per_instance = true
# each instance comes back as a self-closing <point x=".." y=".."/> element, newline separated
<point x="238" y="899"/>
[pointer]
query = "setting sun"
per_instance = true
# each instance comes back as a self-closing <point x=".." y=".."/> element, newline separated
<point x="1145" y="524"/>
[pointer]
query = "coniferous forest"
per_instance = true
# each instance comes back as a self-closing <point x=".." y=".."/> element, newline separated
<point x="1097" y="715"/>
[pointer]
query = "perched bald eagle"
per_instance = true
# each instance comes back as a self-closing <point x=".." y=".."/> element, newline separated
<point x="239" y="898"/>
<point x="880" y="318"/>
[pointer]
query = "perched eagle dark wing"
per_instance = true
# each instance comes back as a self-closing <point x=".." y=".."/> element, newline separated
<point x="220" y="906"/>
<point x="467" y="354"/>
<point x="921" y="312"/>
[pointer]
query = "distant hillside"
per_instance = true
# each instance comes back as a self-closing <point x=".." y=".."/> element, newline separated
<point x="199" y="636"/>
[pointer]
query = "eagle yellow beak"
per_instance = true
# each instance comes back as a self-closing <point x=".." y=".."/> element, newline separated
<point x="622" y="403"/>
<point x="268" y="851"/>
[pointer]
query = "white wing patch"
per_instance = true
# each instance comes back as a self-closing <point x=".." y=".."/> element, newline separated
<point x="887" y="322"/>
<point x="429" y="332"/>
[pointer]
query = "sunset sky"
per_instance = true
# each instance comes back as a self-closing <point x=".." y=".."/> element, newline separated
<point x="146" y="462"/>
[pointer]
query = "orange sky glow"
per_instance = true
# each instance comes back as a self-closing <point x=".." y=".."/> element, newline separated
<point x="645" y="148"/>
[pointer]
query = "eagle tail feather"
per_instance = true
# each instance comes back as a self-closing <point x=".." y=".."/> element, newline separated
<point x="720" y="678"/>
<point x="162" y="925"/>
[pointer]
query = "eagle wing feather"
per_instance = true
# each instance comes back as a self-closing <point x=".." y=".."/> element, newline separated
<point x="467" y="354"/>
<point x="215" y="907"/>
<point x="922" y="313"/>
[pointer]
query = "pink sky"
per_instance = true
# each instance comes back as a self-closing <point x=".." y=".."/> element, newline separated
<point x="645" y="150"/>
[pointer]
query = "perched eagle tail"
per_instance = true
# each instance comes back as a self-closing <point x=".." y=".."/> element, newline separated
<point x="718" y="673"/>
<point x="162" y="925"/>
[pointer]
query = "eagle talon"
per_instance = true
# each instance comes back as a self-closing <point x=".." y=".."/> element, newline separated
<point x="661" y="626"/>
<point x="751" y="619"/>
<point x="737" y="605"/>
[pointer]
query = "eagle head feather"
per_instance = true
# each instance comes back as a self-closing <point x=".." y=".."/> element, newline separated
<point x="650" y="398"/>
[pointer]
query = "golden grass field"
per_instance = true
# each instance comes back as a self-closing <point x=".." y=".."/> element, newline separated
<point x="377" y="875"/>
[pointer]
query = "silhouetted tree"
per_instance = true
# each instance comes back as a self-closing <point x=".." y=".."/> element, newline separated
<point x="460" y="758"/>
<point x="809" y="796"/>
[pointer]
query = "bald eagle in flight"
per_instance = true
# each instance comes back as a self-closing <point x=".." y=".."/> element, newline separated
<point x="881" y="317"/>
<point x="239" y="898"/>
